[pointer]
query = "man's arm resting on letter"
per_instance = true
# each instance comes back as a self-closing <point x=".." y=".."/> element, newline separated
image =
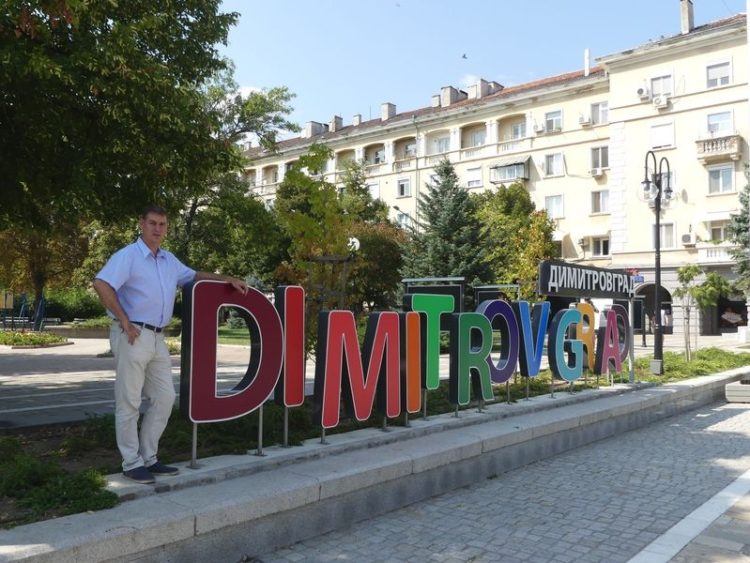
<point x="236" y="283"/>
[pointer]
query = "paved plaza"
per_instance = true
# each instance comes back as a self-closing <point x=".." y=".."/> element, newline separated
<point x="604" y="502"/>
<point x="676" y="490"/>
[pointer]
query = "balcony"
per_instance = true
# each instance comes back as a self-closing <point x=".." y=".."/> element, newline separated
<point x="514" y="145"/>
<point x="719" y="149"/>
<point x="710" y="253"/>
<point x="473" y="152"/>
<point x="403" y="164"/>
<point x="376" y="167"/>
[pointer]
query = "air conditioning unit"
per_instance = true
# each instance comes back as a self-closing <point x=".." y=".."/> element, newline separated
<point x="596" y="172"/>
<point x="643" y="93"/>
<point x="584" y="120"/>
<point x="689" y="239"/>
<point x="661" y="101"/>
<point x="539" y="129"/>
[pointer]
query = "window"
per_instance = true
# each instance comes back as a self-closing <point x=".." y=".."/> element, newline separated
<point x="600" y="157"/>
<point x="553" y="164"/>
<point x="600" y="201"/>
<point x="553" y="121"/>
<point x="518" y="130"/>
<point x="667" y="235"/>
<point x="721" y="179"/>
<point x="289" y="165"/>
<point x="719" y="123"/>
<point x="410" y="149"/>
<point x="473" y="177"/>
<point x="476" y="138"/>
<point x="717" y="75"/>
<point x="718" y="230"/>
<point x="661" y="85"/>
<point x="508" y="173"/>
<point x="377" y="156"/>
<point x="554" y="206"/>
<point x="600" y="113"/>
<point x="667" y="180"/>
<point x="441" y="145"/>
<point x="600" y="246"/>
<point x="662" y="136"/>
<point x="374" y="190"/>
<point x="404" y="220"/>
<point x="404" y="188"/>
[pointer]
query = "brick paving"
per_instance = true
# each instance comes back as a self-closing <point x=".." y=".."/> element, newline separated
<point x="602" y="502"/>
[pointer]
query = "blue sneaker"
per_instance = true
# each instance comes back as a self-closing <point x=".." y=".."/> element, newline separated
<point x="162" y="470"/>
<point x="139" y="475"/>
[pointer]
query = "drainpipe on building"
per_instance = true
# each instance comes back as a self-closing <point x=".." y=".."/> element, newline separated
<point x="416" y="168"/>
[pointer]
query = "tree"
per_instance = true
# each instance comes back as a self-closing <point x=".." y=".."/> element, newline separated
<point x="518" y="237"/>
<point x="309" y="211"/>
<point x="703" y="295"/>
<point x="451" y="243"/>
<point x="739" y="234"/>
<point x="231" y="233"/>
<point x="107" y="106"/>
<point x="376" y="269"/>
<point x="356" y="199"/>
<point x="101" y="106"/>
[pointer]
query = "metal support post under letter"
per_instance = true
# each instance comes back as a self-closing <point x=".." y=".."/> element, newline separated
<point x="259" y="452"/>
<point x="286" y="428"/>
<point x="194" y="453"/>
<point x="631" y="351"/>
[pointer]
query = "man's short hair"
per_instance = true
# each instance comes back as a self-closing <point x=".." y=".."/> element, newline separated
<point x="155" y="209"/>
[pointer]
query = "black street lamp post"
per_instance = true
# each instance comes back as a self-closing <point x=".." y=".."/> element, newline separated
<point x="652" y="190"/>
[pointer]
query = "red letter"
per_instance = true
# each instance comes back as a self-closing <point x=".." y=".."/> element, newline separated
<point x="290" y="303"/>
<point x="338" y="360"/>
<point x="198" y="396"/>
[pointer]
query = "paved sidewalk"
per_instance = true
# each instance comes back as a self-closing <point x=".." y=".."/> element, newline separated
<point x="604" y="502"/>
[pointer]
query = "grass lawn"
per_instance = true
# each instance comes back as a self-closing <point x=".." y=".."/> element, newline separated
<point x="234" y="335"/>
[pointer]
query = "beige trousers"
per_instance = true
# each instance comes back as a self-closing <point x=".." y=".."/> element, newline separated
<point x="144" y="372"/>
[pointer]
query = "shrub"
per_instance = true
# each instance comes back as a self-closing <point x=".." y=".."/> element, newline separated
<point x="30" y="338"/>
<point x="69" y="304"/>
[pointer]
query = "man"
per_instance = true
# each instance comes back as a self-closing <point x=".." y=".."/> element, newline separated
<point x="138" y="286"/>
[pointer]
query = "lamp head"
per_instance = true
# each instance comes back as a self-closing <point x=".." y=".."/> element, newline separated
<point x="646" y="184"/>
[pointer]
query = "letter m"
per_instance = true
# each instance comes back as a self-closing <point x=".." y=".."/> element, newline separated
<point x="340" y="367"/>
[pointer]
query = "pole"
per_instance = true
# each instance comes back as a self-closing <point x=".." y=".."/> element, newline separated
<point x="658" y="342"/>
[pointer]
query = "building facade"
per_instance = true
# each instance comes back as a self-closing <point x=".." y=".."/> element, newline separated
<point x="578" y="143"/>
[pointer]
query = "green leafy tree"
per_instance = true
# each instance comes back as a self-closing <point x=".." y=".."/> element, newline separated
<point x="232" y="233"/>
<point x="309" y="211"/>
<point x="101" y="111"/>
<point x="451" y="242"/>
<point x="375" y="272"/>
<point x="701" y="295"/>
<point x="106" y="106"/>
<point x="356" y="199"/>
<point x="518" y="237"/>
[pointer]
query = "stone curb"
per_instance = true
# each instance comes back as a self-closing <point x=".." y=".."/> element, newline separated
<point x="247" y="506"/>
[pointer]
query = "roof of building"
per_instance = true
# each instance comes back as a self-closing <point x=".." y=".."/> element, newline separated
<point x="510" y="91"/>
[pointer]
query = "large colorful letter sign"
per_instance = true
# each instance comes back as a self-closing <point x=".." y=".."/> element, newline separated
<point x="198" y="390"/>
<point x="339" y="367"/>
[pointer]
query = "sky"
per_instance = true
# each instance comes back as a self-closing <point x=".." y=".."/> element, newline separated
<point x="346" y="57"/>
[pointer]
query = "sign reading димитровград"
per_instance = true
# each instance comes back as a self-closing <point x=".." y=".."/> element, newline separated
<point x="573" y="280"/>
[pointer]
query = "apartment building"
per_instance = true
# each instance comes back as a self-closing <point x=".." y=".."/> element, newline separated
<point x="578" y="143"/>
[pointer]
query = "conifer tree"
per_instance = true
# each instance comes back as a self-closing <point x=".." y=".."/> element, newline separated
<point x="450" y="243"/>
<point x="739" y="234"/>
